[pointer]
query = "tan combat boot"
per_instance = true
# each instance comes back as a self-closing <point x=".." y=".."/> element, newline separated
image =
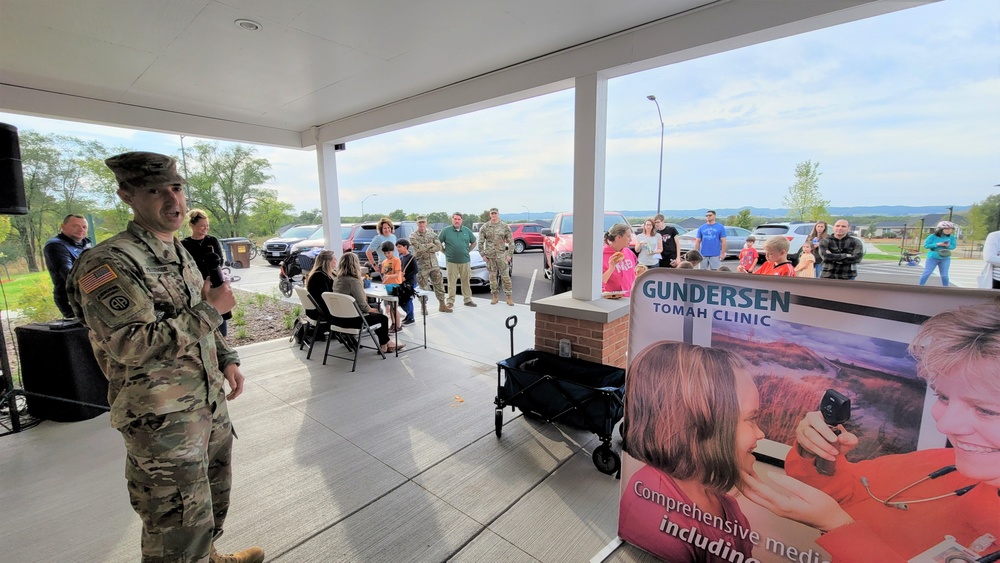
<point x="495" y="299"/>
<point x="444" y="308"/>
<point x="510" y="300"/>
<point x="252" y="555"/>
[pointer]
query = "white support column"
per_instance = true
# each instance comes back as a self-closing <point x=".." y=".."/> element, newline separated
<point x="329" y="196"/>
<point x="589" y="150"/>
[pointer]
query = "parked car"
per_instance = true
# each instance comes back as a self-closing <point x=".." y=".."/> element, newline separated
<point x="278" y="248"/>
<point x="557" y="254"/>
<point x="480" y="276"/>
<point x="365" y="232"/>
<point x="796" y="232"/>
<point x="736" y="238"/>
<point x="526" y="235"/>
<point x="319" y="239"/>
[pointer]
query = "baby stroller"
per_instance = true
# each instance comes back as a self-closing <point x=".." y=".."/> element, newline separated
<point x="290" y="274"/>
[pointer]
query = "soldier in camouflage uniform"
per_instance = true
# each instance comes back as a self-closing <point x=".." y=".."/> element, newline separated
<point x="426" y="245"/>
<point x="153" y="326"/>
<point x="496" y="245"/>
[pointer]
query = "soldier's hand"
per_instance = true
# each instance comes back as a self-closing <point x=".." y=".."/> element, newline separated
<point x="221" y="297"/>
<point x="235" y="379"/>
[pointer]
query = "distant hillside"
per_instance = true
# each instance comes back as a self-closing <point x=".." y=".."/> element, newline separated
<point x="884" y="210"/>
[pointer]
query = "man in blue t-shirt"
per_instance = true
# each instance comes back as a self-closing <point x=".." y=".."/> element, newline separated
<point x="710" y="240"/>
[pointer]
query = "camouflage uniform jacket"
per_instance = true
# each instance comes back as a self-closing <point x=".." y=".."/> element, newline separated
<point x="153" y="335"/>
<point x="495" y="240"/>
<point x="425" y="246"/>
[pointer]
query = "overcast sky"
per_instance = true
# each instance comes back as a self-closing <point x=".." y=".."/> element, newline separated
<point x="902" y="109"/>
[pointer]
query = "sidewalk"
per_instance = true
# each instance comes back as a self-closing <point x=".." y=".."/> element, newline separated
<point x="395" y="462"/>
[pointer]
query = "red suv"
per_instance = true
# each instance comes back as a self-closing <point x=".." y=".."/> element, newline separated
<point x="557" y="255"/>
<point x="527" y="235"/>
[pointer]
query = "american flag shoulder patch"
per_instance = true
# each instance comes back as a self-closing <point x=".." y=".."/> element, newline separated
<point x="96" y="278"/>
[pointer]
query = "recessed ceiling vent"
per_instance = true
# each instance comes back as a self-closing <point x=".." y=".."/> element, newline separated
<point x="248" y="25"/>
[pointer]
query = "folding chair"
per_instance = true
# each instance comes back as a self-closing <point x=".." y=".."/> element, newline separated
<point x="344" y="306"/>
<point x="309" y="304"/>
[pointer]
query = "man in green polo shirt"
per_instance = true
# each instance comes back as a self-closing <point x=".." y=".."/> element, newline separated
<point x="458" y="241"/>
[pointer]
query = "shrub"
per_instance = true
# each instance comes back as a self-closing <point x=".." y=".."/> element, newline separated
<point x="36" y="302"/>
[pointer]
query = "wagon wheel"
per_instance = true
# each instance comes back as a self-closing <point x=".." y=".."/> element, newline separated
<point x="606" y="460"/>
<point x="499" y="421"/>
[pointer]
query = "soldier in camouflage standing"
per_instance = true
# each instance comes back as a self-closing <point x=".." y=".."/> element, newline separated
<point x="426" y="245"/>
<point x="496" y="245"/>
<point x="153" y="325"/>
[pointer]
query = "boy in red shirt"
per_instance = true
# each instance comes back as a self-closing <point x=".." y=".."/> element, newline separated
<point x="748" y="256"/>
<point x="776" y="251"/>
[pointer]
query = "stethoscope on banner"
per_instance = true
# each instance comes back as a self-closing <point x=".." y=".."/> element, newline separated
<point x="904" y="505"/>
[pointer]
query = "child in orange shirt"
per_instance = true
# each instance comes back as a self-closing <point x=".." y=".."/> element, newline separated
<point x="776" y="251"/>
<point x="392" y="276"/>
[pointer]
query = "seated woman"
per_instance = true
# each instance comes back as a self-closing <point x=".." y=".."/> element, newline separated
<point x="348" y="282"/>
<point x="320" y="280"/>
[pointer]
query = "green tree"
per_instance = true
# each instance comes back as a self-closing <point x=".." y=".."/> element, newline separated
<point x="269" y="213"/>
<point x="226" y="182"/>
<point x="311" y="217"/>
<point x="742" y="219"/>
<point x="40" y="161"/>
<point x="439" y="217"/>
<point x="804" y="200"/>
<point x="398" y="215"/>
<point x="983" y="217"/>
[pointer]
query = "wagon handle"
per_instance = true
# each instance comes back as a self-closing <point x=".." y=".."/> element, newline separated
<point x="510" y="323"/>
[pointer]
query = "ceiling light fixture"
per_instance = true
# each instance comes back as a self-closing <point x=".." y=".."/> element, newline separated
<point x="248" y="25"/>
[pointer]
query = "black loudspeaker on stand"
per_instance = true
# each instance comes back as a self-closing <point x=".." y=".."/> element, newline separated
<point x="12" y="201"/>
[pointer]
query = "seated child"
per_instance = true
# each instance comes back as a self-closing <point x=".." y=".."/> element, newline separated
<point x="694" y="258"/>
<point x="748" y="256"/>
<point x="392" y="276"/>
<point x="776" y="251"/>
<point x="685" y="265"/>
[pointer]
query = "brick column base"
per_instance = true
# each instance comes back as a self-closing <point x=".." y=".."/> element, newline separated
<point x="603" y="343"/>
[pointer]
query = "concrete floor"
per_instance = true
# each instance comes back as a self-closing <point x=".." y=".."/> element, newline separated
<point x="397" y="461"/>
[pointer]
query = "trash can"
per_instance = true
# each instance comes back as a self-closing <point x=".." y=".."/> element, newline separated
<point x="240" y="251"/>
<point x="226" y="244"/>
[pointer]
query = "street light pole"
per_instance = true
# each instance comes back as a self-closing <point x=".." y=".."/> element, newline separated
<point x="951" y="211"/>
<point x="659" y="189"/>
<point x="363" y="206"/>
<point x="529" y="212"/>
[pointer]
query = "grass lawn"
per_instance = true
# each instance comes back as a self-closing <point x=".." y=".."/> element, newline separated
<point x="13" y="289"/>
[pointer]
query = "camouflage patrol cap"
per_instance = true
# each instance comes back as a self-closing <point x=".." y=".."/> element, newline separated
<point x="494" y="210"/>
<point x="141" y="169"/>
<point x="422" y="219"/>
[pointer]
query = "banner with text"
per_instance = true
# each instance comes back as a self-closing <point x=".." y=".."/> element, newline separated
<point x="781" y="419"/>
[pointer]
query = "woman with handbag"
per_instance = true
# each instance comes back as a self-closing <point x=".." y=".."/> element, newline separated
<point x="939" y="245"/>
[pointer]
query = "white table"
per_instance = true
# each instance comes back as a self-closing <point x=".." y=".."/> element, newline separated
<point x="377" y="291"/>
